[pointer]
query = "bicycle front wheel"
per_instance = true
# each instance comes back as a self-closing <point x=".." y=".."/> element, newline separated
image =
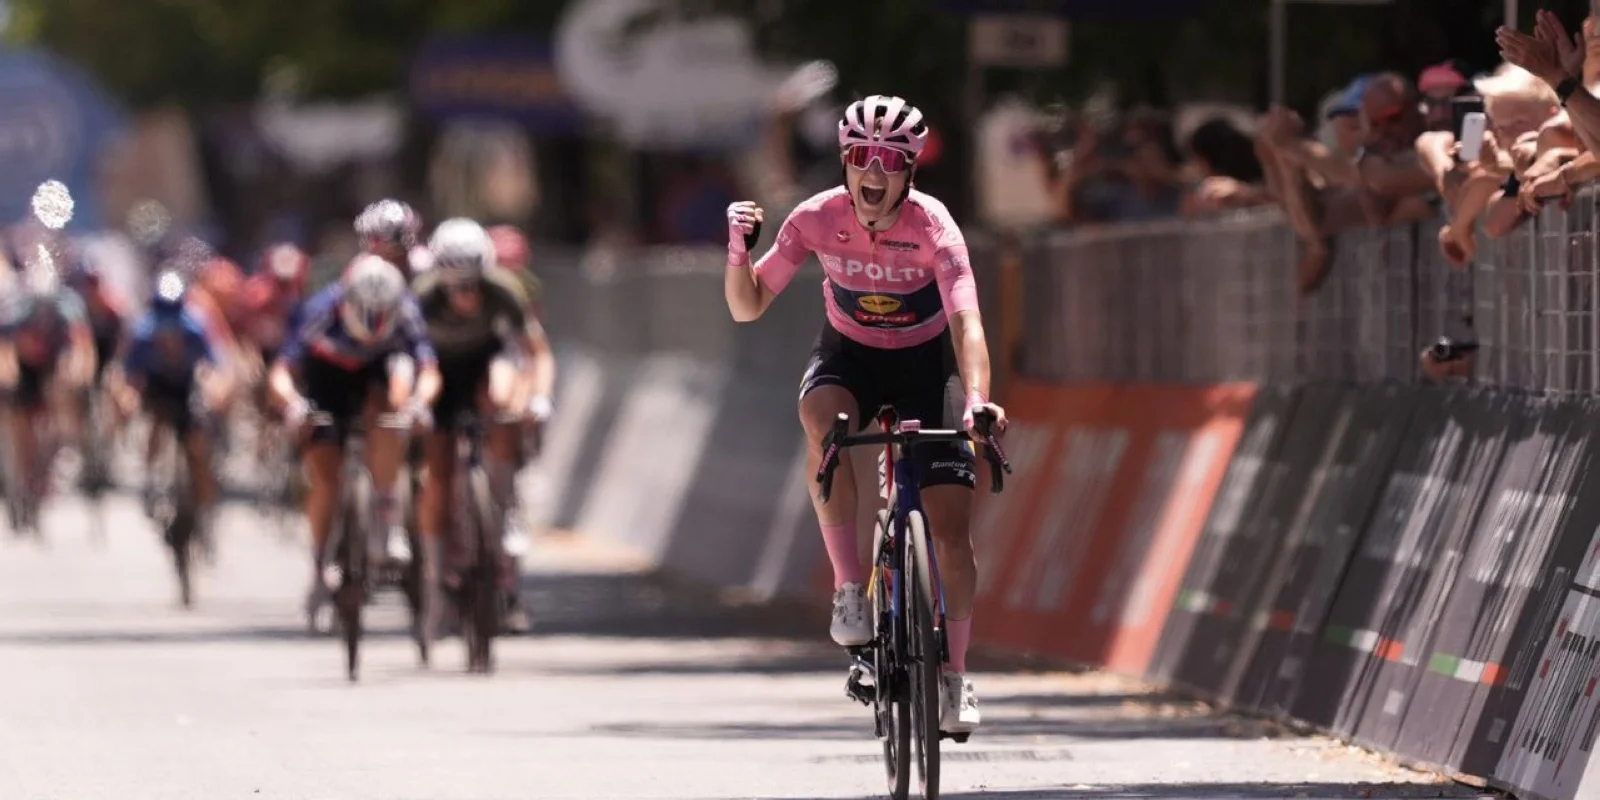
<point x="893" y="703"/>
<point x="482" y="621"/>
<point x="926" y="654"/>
<point x="354" y="517"/>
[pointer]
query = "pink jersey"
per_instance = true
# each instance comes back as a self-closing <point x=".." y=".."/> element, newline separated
<point x="889" y="289"/>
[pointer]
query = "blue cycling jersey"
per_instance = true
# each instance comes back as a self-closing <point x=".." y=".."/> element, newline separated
<point x="167" y="347"/>
<point x="319" y="332"/>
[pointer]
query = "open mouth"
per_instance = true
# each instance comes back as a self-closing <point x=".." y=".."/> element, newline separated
<point x="872" y="195"/>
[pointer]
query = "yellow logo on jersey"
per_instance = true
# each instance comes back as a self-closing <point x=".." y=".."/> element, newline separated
<point x="879" y="304"/>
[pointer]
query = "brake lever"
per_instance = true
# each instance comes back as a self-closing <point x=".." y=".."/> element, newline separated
<point x="830" y="455"/>
<point x="999" y="466"/>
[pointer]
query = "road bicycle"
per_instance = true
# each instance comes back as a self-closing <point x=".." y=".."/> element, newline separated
<point x="898" y="673"/>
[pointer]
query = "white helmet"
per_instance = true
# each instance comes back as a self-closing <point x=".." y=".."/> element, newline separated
<point x="884" y="120"/>
<point x="373" y="291"/>
<point x="461" y="249"/>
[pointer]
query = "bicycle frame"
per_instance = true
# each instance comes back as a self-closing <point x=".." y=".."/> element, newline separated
<point x="904" y="481"/>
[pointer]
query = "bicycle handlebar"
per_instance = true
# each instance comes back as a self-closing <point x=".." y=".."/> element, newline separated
<point x="838" y="438"/>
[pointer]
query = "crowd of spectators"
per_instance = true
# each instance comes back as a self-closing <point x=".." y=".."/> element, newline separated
<point x="1383" y="151"/>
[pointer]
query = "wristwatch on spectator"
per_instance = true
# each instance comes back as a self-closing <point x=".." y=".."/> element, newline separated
<point x="1566" y="87"/>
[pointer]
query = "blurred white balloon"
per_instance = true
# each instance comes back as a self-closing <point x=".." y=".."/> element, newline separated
<point x="52" y="204"/>
<point x="148" y="221"/>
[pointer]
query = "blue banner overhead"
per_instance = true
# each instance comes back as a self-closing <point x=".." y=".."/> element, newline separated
<point x="1076" y="9"/>
<point x="53" y="122"/>
<point x="506" y="77"/>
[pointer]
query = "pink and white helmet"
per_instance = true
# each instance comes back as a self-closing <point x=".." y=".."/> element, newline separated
<point x="884" y="120"/>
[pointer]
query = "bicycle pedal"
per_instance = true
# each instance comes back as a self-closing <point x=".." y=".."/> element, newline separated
<point x="958" y="738"/>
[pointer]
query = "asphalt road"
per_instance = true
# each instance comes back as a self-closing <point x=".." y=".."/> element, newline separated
<point x="628" y="689"/>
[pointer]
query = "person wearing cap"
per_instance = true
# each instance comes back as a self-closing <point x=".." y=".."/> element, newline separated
<point x="1341" y="118"/>
<point x="1438" y="85"/>
<point x="1331" y="161"/>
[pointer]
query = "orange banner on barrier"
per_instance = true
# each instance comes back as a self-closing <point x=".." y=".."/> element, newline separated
<point x="1082" y="555"/>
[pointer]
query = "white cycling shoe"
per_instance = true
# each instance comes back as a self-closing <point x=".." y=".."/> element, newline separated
<point x="850" y="626"/>
<point x="958" y="704"/>
<point x="397" y="546"/>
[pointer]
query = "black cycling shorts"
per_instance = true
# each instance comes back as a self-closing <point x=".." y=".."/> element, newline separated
<point x="341" y="393"/>
<point x="31" y="383"/>
<point x="105" y="350"/>
<point x="463" y="379"/>
<point x="170" y="403"/>
<point x="919" y="383"/>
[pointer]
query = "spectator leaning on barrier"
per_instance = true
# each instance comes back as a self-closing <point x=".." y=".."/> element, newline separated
<point x="1121" y="173"/>
<point x="1397" y="185"/>
<point x="1521" y="111"/>
<point x="1438" y="85"/>
<point x="1564" y="64"/>
<point x="1383" y="183"/>
<point x="1316" y="181"/>
<point x="1224" y="170"/>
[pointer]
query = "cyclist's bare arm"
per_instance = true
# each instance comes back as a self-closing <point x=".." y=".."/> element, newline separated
<point x="215" y="384"/>
<point x="972" y="351"/>
<point x="429" y="382"/>
<point x="541" y="360"/>
<point x="10" y="368"/>
<point x="81" y="362"/>
<point x="748" y="298"/>
<point x="750" y="287"/>
<point x="280" y="381"/>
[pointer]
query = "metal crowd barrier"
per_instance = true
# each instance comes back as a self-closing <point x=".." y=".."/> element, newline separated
<point x="1206" y="301"/>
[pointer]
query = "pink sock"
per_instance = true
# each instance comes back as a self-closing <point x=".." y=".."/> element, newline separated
<point x="841" y="543"/>
<point x="958" y="634"/>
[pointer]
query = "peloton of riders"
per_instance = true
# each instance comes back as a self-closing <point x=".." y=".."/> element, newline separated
<point x="424" y="330"/>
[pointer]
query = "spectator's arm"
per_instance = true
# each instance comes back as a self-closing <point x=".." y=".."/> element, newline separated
<point x="1584" y="109"/>
<point x="1583" y="169"/>
<point x="1219" y="193"/>
<point x="1393" y="180"/>
<point x="1549" y="161"/>
<point x="1316" y="157"/>
<point x="1293" y="193"/>
<point x="1436" y="149"/>
<point x="1505" y="210"/>
<point x="1456" y="238"/>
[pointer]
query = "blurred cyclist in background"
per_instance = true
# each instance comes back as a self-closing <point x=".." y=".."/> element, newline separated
<point x="391" y="229"/>
<point x="270" y="297"/>
<point x="169" y="366"/>
<point x="478" y="320"/>
<point x="46" y="349"/>
<point x="511" y="253"/>
<point x="107" y="311"/>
